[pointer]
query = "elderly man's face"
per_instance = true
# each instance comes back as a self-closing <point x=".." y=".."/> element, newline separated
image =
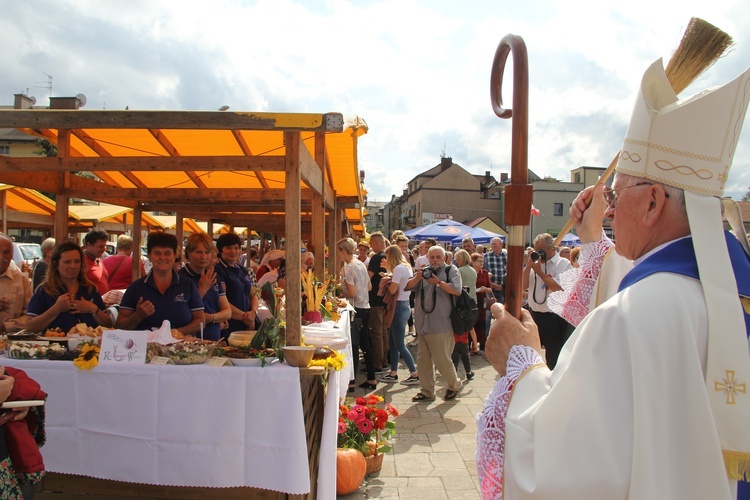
<point x="437" y="258"/>
<point x="6" y="253"/>
<point x="468" y="246"/>
<point x="496" y="245"/>
<point x="626" y="217"/>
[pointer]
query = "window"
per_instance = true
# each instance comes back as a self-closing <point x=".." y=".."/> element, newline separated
<point x="5" y="150"/>
<point x="558" y="208"/>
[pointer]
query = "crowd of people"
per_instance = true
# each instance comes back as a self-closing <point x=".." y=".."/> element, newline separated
<point x="404" y="301"/>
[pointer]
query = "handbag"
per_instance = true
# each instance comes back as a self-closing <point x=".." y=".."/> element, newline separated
<point x="489" y="299"/>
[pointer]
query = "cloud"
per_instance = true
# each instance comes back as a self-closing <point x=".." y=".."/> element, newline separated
<point x="418" y="72"/>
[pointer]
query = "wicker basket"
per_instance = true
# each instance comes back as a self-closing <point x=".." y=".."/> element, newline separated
<point x="374" y="463"/>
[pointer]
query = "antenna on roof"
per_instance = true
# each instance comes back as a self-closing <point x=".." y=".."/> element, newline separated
<point x="49" y="83"/>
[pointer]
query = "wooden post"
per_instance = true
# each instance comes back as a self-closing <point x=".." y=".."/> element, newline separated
<point x="317" y="231"/>
<point x="61" y="200"/>
<point x="293" y="230"/>
<point x="179" y="230"/>
<point x="336" y="223"/>
<point x="4" y="205"/>
<point x="137" y="221"/>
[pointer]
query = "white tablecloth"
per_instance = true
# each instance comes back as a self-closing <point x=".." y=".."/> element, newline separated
<point x="342" y="328"/>
<point x="175" y="425"/>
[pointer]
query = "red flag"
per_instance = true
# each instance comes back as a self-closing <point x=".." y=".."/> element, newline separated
<point x="534" y="210"/>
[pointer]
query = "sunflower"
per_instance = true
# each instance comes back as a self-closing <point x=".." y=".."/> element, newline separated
<point x="89" y="357"/>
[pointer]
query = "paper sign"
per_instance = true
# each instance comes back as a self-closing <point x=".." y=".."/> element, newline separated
<point x="120" y="346"/>
<point x="219" y="361"/>
<point x="161" y="360"/>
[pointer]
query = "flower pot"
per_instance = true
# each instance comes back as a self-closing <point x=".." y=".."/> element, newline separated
<point x="374" y="463"/>
<point x="350" y="470"/>
<point x="313" y="317"/>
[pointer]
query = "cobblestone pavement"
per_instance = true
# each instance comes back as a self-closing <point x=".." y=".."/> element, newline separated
<point x="435" y="443"/>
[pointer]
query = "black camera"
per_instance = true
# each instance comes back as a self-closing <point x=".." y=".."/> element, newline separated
<point x="427" y="273"/>
<point x="535" y="256"/>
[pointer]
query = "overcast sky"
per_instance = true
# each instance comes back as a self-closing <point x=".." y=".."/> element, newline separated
<point x="418" y="72"/>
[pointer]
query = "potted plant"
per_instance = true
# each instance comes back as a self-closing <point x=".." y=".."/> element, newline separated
<point x="368" y="428"/>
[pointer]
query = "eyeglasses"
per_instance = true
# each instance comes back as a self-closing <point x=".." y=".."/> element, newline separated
<point x="610" y="195"/>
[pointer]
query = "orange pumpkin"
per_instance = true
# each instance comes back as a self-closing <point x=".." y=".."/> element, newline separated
<point x="350" y="470"/>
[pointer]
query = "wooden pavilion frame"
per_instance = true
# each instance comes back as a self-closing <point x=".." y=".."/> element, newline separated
<point x="285" y="173"/>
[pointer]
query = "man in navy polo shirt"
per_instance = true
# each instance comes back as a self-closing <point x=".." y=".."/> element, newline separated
<point x="162" y="294"/>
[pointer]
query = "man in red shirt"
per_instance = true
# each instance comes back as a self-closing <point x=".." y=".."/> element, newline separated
<point x="94" y="246"/>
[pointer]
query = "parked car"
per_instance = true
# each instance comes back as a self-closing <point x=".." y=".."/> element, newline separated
<point x="26" y="252"/>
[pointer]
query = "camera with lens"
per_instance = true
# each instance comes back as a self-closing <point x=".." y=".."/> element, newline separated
<point x="427" y="273"/>
<point x="535" y="256"/>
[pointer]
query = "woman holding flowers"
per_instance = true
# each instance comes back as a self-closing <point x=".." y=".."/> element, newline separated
<point x="355" y="283"/>
<point x="67" y="297"/>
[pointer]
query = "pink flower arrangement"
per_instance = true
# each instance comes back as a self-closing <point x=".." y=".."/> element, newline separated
<point x="366" y="426"/>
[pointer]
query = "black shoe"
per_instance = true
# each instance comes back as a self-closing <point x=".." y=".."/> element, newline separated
<point x="367" y="385"/>
<point x="351" y="388"/>
<point x="469" y="375"/>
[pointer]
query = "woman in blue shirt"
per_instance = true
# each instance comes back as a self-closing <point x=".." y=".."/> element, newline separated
<point x="199" y="251"/>
<point x="162" y="294"/>
<point x="240" y="285"/>
<point x="67" y="297"/>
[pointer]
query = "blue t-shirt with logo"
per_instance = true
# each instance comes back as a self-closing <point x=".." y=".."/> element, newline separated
<point x="239" y="282"/>
<point x="176" y="304"/>
<point x="41" y="301"/>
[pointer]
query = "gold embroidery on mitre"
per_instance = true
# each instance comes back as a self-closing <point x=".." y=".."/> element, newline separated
<point x="668" y="166"/>
<point x="723" y="177"/>
<point x="634" y="157"/>
<point x="745" y="304"/>
<point x="730" y="387"/>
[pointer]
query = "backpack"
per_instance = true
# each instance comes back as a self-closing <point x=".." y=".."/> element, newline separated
<point x="464" y="313"/>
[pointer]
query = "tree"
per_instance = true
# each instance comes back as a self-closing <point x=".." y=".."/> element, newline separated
<point x="747" y="196"/>
<point x="45" y="148"/>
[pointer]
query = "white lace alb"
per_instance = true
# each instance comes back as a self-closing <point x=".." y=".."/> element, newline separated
<point x="491" y="422"/>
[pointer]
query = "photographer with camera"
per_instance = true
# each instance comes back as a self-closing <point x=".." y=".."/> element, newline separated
<point x="434" y="285"/>
<point x="542" y="266"/>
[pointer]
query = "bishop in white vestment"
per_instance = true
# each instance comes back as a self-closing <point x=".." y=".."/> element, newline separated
<point x="649" y="398"/>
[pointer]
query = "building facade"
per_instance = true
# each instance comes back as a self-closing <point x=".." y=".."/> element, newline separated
<point x="446" y="191"/>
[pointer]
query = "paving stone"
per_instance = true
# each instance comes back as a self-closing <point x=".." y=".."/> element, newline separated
<point x="433" y="454"/>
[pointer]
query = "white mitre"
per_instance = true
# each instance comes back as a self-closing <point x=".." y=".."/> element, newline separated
<point x="689" y="144"/>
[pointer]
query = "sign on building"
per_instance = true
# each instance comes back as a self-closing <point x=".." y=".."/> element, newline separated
<point x="431" y="217"/>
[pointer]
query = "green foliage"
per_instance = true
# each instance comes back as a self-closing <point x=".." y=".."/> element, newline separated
<point x="45" y="148"/>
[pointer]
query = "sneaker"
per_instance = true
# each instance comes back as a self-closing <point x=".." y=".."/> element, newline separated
<point x="388" y="378"/>
<point x="469" y="375"/>
<point x="412" y="380"/>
